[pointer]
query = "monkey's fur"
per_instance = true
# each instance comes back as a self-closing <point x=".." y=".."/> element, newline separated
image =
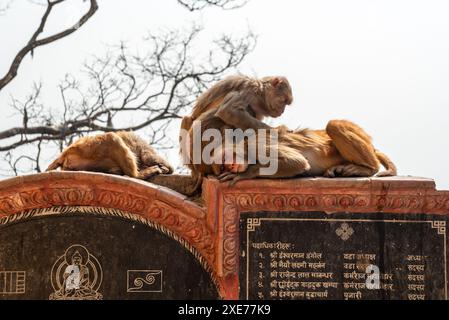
<point x="237" y="102"/>
<point x="113" y="152"/>
<point x="342" y="150"/>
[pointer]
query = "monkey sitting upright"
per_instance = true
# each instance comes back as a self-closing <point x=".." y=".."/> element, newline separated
<point x="237" y="102"/>
<point x="113" y="152"/>
<point x="342" y="150"/>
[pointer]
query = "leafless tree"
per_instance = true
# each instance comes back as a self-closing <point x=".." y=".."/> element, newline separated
<point x="122" y="90"/>
<point x="34" y="42"/>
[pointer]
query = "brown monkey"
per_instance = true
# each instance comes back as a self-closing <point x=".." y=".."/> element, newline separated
<point x="113" y="152"/>
<point x="237" y="102"/>
<point x="232" y="96"/>
<point x="344" y="149"/>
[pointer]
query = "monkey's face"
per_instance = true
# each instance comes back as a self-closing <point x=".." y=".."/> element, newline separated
<point x="74" y="162"/>
<point x="229" y="167"/>
<point x="278" y="95"/>
<point x="238" y="165"/>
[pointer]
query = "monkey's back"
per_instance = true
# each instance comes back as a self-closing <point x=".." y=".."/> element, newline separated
<point x="146" y="155"/>
<point x="213" y="97"/>
<point x="315" y="145"/>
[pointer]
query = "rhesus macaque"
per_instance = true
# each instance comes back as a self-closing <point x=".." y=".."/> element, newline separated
<point x="237" y="102"/>
<point x="179" y="182"/>
<point x="342" y="150"/>
<point x="113" y="152"/>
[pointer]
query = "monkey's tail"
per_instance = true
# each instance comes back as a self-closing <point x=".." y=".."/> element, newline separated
<point x="55" y="164"/>
<point x="186" y="124"/>
<point x="187" y="185"/>
<point x="387" y="163"/>
<point x="195" y="185"/>
<point x="199" y="181"/>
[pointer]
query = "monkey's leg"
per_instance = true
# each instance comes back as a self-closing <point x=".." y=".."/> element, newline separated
<point x="348" y="170"/>
<point x="120" y="153"/>
<point x="287" y="167"/>
<point x="355" y="146"/>
<point x="115" y="170"/>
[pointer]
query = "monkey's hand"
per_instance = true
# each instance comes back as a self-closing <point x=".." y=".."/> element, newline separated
<point x="234" y="112"/>
<point x="164" y="169"/>
<point x="149" y="172"/>
<point x="228" y="176"/>
<point x="235" y="177"/>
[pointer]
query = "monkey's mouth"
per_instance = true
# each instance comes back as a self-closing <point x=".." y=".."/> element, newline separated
<point x="278" y="111"/>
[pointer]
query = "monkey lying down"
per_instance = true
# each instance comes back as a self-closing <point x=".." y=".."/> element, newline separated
<point x="113" y="152"/>
<point x="342" y="150"/>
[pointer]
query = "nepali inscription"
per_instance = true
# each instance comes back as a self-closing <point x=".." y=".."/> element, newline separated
<point x="303" y="255"/>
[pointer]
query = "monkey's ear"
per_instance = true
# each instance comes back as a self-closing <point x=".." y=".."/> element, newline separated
<point x="275" y="81"/>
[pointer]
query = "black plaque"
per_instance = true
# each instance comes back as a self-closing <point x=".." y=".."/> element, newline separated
<point x="85" y="256"/>
<point x="305" y="255"/>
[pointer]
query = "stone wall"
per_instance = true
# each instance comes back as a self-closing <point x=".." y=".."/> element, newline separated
<point x="211" y="229"/>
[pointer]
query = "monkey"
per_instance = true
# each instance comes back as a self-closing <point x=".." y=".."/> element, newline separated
<point x="243" y="102"/>
<point x="343" y="149"/>
<point x="236" y="102"/>
<point x="178" y="182"/>
<point x="122" y="153"/>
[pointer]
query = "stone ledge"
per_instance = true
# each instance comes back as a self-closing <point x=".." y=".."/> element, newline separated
<point x="416" y="186"/>
<point x="402" y="183"/>
<point x="83" y="181"/>
<point x="389" y="194"/>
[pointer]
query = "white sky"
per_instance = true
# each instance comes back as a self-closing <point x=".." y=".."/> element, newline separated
<point x="381" y="63"/>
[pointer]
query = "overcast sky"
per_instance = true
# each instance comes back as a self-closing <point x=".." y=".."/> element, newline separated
<point x="381" y="63"/>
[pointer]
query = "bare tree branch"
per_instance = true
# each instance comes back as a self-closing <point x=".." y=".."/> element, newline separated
<point x="33" y="43"/>
<point x="194" y="5"/>
<point x="128" y="91"/>
<point x="122" y="90"/>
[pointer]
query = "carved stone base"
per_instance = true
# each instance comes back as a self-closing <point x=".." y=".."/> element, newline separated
<point x="221" y="233"/>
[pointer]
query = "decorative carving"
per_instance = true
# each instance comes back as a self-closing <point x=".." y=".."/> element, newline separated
<point x="12" y="282"/>
<point x="437" y="202"/>
<point x="252" y="223"/>
<point x="440" y="226"/>
<point x="144" y="281"/>
<point x="194" y="231"/>
<point x="215" y="238"/>
<point x="122" y="200"/>
<point x="395" y="202"/>
<point x="126" y="197"/>
<point x="8" y="204"/>
<point x="344" y="231"/>
<point x="76" y="275"/>
<point x="230" y="234"/>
